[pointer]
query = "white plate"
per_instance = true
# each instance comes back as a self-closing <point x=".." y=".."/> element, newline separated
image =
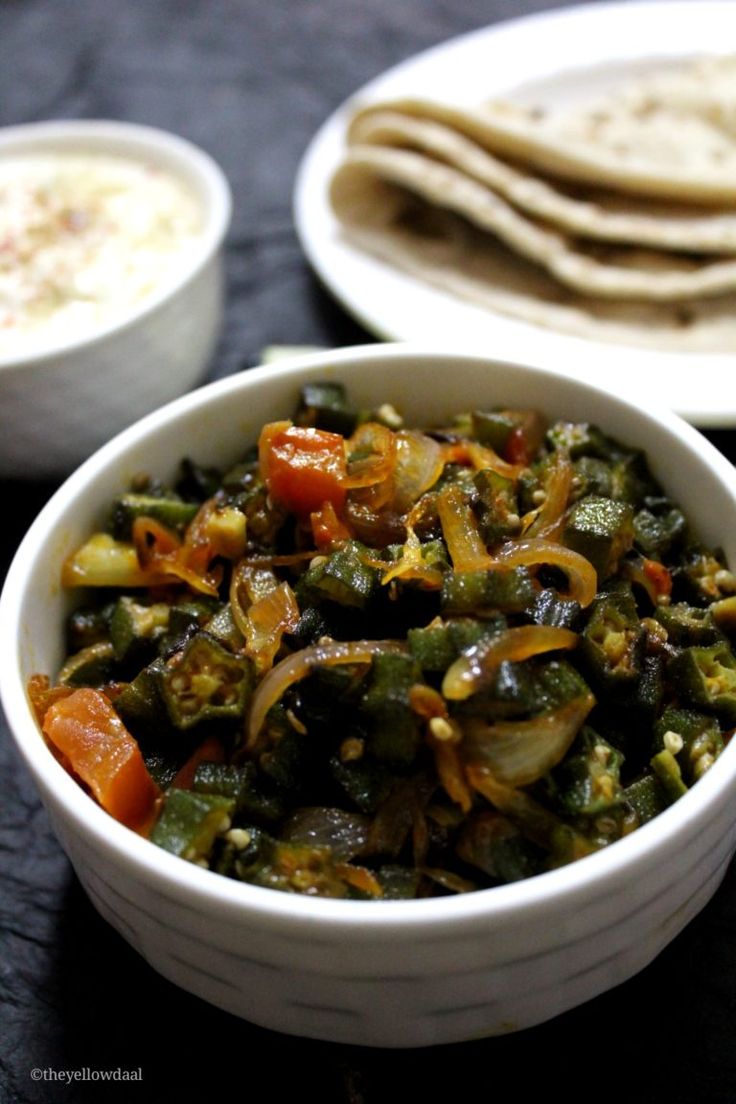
<point x="558" y="57"/>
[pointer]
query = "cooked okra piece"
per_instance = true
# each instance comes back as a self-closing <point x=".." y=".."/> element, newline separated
<point x="205" y="682"/>
<point x="240" y="783"/>
<point x="492" y="843"/>
<point x="343" y="577"/>
<point x="91" y="666"/>
<point x="706" y="677"/>
<point x="140" y="705"/>
<point x="688" y="625"/>
<point x="393" y="726"/>
<point x="646" y="797"/>
<point x="668" y="772"/>
<point x="601" y="530"/>
<point x="134" y="627"/>
<point x="497" y="506"/>
<point x="613" y="641"/>
<point x="440" y="643"/>
<point x="551" y="608"/>
<point x="693" y="738"/>
<point x="655" y="534"/>
<point x="190" y="822"/>
<point x="588" y="780"/>
<point x="324" y="405"/>
<point x="170" y="511"/>
<point x="479" y="593"/>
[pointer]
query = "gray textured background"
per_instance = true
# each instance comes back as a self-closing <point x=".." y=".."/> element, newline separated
<point x="251" y="82"/>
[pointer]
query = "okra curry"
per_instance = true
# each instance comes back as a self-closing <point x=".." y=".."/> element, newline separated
<point x="373" y="661"/>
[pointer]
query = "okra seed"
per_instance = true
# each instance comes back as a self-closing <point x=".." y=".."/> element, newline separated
<point x="538" y="497"/>
<point x="239" y="838"/>
<point x="726" y="580"/>
<point x="351" y="749"/>
<point x="673" y="742"/>
<point x="442" y="730"/>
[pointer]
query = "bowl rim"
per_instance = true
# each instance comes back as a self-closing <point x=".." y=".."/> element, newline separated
<point x="201" y="890"/>
<point x="132" y="141"/>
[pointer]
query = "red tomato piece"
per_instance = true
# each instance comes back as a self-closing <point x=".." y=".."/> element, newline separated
<point x="303" y="467"/>
<point x="87" y="731"/>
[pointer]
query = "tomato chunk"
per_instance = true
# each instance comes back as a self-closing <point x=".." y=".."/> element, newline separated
<point x="303" y="467"/>
<point x="85" y="728"/>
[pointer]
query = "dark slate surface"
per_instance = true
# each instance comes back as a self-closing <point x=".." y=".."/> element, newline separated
<point x="250" y="82"/>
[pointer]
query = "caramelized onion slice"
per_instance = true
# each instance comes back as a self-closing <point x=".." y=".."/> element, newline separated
<point x="460" y="530"/>
<point x="297" y="666"/>
<point x="581" y="575"/>
<point x="475" y="668"/>
<point x="518" y="753"/>
<point x="548" y="520"/>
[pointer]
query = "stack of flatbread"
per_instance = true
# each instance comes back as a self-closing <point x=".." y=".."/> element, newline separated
<point x="615" y="222"/>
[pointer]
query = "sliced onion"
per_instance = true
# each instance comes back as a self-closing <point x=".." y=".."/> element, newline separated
<point x="267" y="620"/>
<point x="581" y="575"/>
<point x="460" y="530"/>
<point x="537" y="822"/>
<point x="451" y="772"/>
<point x="518" y="753"/>
<point x="420" y="461"/>
<point x="481" y="457"/>
<point x="549" y="519"/>
<point x="412" y="566"/>
<point x="475" y="668"/>
<point x="379" y="443"/>
<point x="297" y="666"/>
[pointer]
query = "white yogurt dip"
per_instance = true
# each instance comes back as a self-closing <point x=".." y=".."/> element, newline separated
<point x="84" y="240"/>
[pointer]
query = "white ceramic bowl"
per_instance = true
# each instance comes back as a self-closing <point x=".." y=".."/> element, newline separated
<point x="394" y="973"/>
<point x="62" y="401"/>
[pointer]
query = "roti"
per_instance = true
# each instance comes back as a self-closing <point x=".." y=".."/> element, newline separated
<point x="594" y="214"/>
<point x="442" y="247"/>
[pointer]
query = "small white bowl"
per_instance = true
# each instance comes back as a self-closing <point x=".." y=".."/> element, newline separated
<point x="393" y="973"/>
<point x="62" y="401"/>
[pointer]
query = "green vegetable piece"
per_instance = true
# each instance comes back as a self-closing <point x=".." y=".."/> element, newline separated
<point x="190" y="822"/>
<point x="223" y="628"/>
<point x="601" y="530"/>
<point x="593" y="477"/>
<point x="324" y="405"/>
<point x="613" y="641"/>
<point x="694" y="739"/>
<point x="655" y="535"/>
<point x="688" y="625"/>
<point x="394" y="734"/>
<point x="440" y="643"/>
<point x="206" y="682"/>
<point x="581" y="439"/>
<point x="724" y="614"/>
<point x="646" y="797"/>
<point x="587" y="782"/>
<point x="343" y="577"/>
<point x="484" y="592"/>
<point x="493" y="427"/>
<point x="492" y="843"/>
<point x="92" y="666"/>
<point x="706" y="677"/>
<point x="366" y="782"/>
<point x="139" y="705"/>
<point x="497" y="506"/>
<point x="290" y="867"/>
<point x="253" y="799"/>
<point x="667" y="770"/>
<point x="551" y="608"/>
<point x="170" y="511"/>
<point x="85" y="626"/>
<point x="134" y="627"/>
